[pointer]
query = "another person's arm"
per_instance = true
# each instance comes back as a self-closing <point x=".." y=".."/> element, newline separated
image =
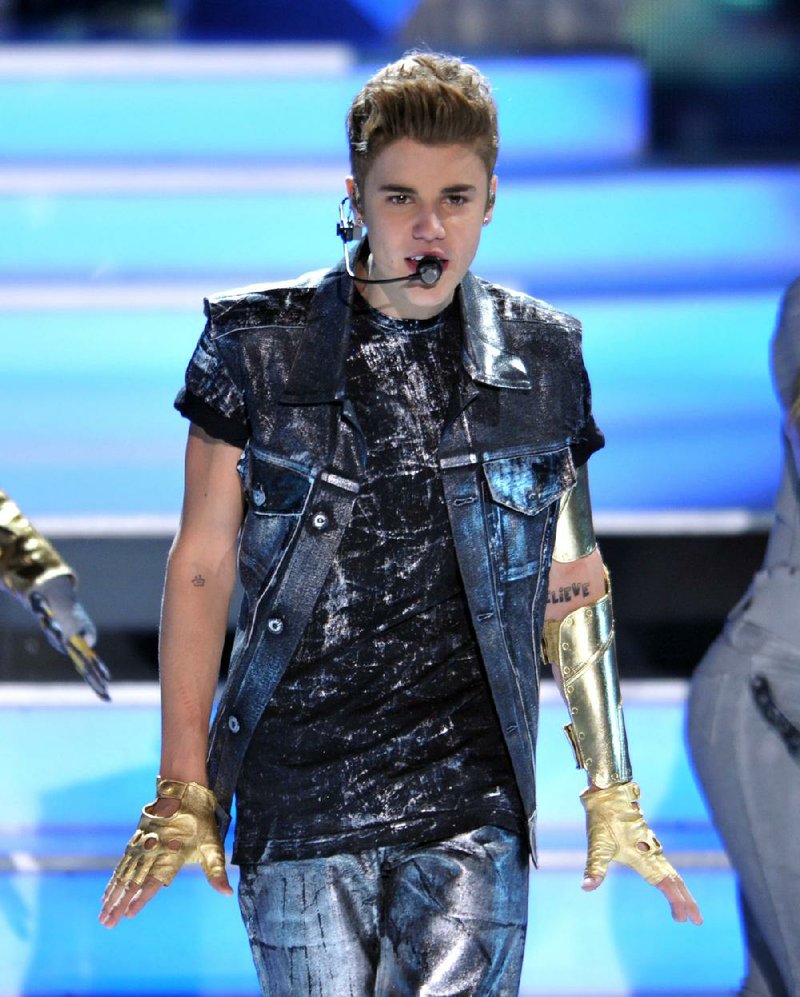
<point x="579" y="644"/>
<point x="786" y="365"/>
<point x="181" y="825"/>
<point x="33" y="570"/>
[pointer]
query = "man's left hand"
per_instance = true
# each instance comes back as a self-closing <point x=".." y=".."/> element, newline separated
<point x="617" y="831"/>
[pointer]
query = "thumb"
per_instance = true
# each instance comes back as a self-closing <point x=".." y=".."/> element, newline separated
<point x="591" y="882"/>
<point x="212" y="861"/>
<point x="599" y="854"/>
<point x="221" y="884"/>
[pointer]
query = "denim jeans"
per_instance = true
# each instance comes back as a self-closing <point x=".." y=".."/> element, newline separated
<point x="446" y="919"/>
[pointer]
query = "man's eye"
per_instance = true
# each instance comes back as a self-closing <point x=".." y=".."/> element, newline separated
<point x="399" y="199"/>
<point x="456" y="199"/>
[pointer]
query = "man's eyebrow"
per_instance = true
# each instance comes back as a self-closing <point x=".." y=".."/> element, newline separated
<point x="397" y="188"/>
<point x="456" y="188"/>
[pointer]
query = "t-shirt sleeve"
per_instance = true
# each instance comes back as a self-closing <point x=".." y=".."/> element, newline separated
<point x="589" y="439"/>
<point x="211" y="398"/>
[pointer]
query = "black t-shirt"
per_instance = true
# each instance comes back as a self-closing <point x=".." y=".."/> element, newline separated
<point x="382" y="731"/>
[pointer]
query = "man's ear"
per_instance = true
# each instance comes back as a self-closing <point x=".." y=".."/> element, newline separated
<point x="354" y="194"/>
<point x="487" y="217"/>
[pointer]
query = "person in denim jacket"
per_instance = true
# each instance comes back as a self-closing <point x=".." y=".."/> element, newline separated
<point x="395" y="452"/>
<point x="744" y="716"/>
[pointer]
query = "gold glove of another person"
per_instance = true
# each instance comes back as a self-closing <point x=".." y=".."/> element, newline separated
<point x="616" y="829"/>
<point x="161" y="845"/>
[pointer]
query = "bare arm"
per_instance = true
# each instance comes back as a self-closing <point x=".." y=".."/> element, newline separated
<point x="201" y="572"/>
<point x="180" y="824"/>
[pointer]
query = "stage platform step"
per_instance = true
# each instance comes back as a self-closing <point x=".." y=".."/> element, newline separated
<point x="74" y="803"/>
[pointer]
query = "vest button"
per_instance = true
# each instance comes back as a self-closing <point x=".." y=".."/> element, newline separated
<point x="275" y="625"/>
<point x="233" y="725"/>
<point x="319" y="520"/>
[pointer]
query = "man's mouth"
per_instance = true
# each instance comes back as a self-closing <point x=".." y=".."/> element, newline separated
<point x="413" y="261"/>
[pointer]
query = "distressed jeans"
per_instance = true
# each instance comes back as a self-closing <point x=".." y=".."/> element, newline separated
<point x="446" y="919"/>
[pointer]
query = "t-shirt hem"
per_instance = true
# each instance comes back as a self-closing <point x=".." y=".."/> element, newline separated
<point x="418" y="831"/>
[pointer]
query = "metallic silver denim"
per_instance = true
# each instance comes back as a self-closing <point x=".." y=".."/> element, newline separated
<point x="446" y="919"/>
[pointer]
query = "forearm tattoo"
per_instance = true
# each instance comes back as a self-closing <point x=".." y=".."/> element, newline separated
<point x="566" y="593"/>
<point x="198" y="581"/>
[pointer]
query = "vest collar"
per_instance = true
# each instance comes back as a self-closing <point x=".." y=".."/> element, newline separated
<point x="487" y="356"/>
<point x="317" y="373"/>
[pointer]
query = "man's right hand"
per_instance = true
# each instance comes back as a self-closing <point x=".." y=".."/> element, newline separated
<point x="178" y="827"/>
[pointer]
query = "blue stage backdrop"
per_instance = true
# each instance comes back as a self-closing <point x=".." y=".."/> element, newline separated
<point x="135" y="180"/>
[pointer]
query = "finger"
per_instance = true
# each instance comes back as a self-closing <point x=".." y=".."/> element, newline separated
<point x="131" y="872"/>
<point x="116" y="904"/>
<point x="89" y="666"/>
<point x="591" y="882"/>
<point x="143" y="896"/>
<point x="689" y="903"/>
<point x="221" y="884"/>
<point x="111" y="886"/>
<point x="682" y="904"/>
<point x="127" y="899"/>
<point x="115" y="889"/>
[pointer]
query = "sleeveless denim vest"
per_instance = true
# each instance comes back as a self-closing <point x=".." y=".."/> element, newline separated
<point x="521" y="399"/>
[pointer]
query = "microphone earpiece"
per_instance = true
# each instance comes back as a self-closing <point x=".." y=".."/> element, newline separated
<point x="347" y="228"/>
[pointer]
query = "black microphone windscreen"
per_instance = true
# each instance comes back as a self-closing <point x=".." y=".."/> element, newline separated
<point x="429" y="270"/>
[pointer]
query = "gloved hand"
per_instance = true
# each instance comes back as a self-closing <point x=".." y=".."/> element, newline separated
<point x="69" y="629"/>
<point x="616" y="830"/>
<point x="68" y="617"/>
<point x="161" y="845"/>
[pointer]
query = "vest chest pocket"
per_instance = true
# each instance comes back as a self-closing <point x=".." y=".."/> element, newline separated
<point x="277" y="493"/>
<point x="521" y="489"/>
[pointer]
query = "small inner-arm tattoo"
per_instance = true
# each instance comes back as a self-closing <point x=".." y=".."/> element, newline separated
<point x="198" y="581"/>
<point x="566" y="593"/>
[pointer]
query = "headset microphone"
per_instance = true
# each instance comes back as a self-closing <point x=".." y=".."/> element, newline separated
<point x="429" y="268"/>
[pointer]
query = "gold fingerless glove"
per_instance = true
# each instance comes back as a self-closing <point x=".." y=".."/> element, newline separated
<point x="616" y="829"/>
<point x="161" y="845"/>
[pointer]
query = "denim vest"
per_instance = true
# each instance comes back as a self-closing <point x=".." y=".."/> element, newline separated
<point x="521" y="399"/>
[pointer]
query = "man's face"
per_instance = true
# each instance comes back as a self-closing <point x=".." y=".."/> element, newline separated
<point x="421" y="200"/>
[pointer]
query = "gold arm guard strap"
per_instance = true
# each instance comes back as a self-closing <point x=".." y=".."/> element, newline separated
<point x="582" y="647"/>
<point x="26" y="558"/>
<point x="574" y="530"/>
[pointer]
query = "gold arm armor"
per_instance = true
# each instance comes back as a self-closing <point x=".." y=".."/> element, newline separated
<point x="575" y="530"/>
<point x="26" y="558"/>
<point x="582" y="647"/>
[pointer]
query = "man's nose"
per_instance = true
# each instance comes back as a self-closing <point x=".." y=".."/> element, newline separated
<point x="428" y="225"/>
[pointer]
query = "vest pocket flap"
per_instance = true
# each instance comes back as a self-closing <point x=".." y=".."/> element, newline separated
<point x="274" y="488"/>
<point x="530" y="482"/>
